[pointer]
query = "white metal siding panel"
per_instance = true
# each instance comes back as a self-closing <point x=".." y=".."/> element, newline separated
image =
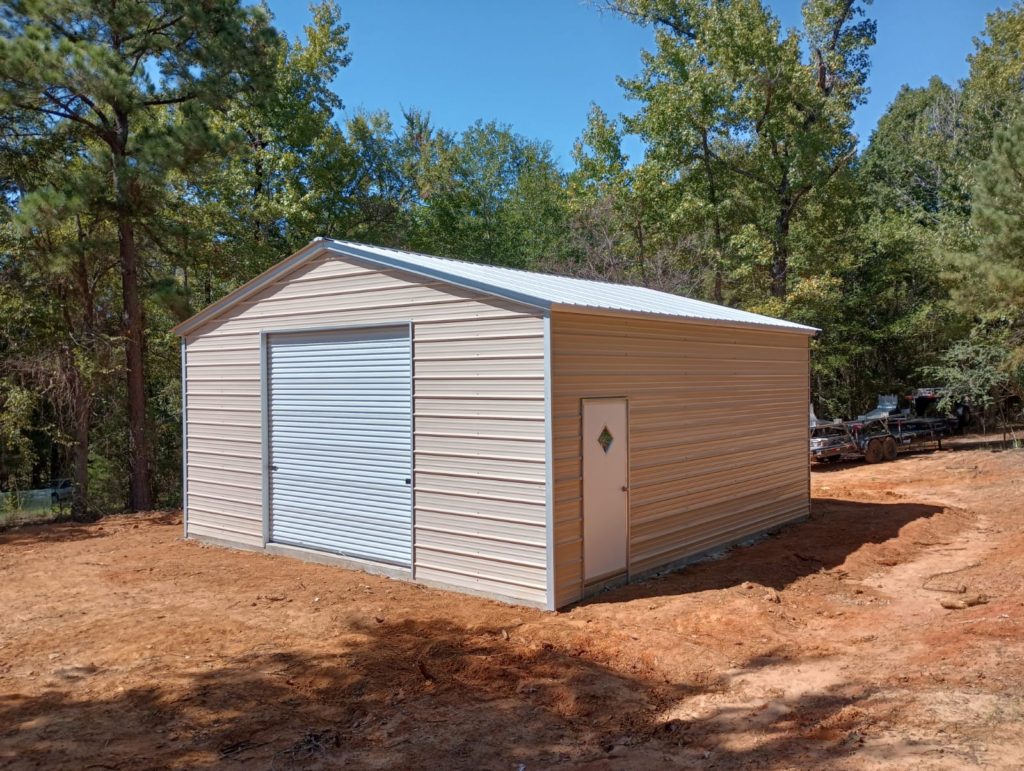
<point x="700" y="475"/>
<point x="340" y="431"/>
<point x="222" y="423"/>
<point x="476" y="408"/>
<point x="184" y="437"/>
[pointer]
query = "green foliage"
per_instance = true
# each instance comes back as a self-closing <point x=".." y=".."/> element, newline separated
<point x="623" y="219"/>
<point x="883" y="316"/>
<point x="980" y="371"/>
<point x="916" y="163"/>
<point x="994" y="90"/>
<point x="489" y="194"/>
<point x="749" y="122"/>
<point x="154" y="156"/>
<point x="125" y="92"/>
<point x="997" y="264"/>
<point x="18" y="407"/>
<point x="110" y="72"/>
<point x="273" y="186"/>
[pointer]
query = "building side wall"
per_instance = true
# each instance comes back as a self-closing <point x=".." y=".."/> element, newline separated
<point x="478" y="419"/>
<point x="717" y="433"/>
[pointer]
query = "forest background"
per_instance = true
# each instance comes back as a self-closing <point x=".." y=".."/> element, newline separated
<point x="156" y="155"/>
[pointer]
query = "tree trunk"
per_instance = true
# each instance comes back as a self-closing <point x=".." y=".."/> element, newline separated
<point x="140" y="496"/>
<point x="80" y="458"/>
<point x="80" y="390"/>
<point x="718" y="294"/>
<point x="139" y="493"/>
<point x="780" y="254"/>
<point x="638" y="232"/>
<point x="258" y="147"/>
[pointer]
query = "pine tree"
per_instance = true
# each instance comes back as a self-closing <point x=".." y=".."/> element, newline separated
<point x="135" y="81"/>
<point x="998" y="219"/>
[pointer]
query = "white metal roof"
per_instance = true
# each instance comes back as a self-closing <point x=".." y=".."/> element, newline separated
<point x="536" y="289"/>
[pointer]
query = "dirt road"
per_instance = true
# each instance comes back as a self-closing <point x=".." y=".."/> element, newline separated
<point x="123" y="647"/>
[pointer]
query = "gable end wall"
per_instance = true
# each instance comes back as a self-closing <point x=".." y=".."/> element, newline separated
<point x="478" y="424"/>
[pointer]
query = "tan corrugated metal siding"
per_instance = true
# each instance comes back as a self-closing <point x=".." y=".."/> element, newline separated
<point x="717" y="433"/>
<point x="478" y="396"/>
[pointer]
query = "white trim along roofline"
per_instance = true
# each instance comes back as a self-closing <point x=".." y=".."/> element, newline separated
<point x="542" y="291"/>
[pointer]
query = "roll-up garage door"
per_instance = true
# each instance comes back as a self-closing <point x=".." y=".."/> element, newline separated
<point x="341" y="442"/>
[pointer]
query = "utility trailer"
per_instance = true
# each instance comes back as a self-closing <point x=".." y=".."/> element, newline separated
<point x="876" y="436"/>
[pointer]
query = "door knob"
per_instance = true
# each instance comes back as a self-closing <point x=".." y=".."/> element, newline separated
<point x="625" y="488"/>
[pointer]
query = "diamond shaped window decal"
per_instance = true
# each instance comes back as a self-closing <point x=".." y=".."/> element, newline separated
<point x="605" y="439"/>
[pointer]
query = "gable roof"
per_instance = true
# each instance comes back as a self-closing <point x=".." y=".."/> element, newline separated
<point x="539" y="290"/>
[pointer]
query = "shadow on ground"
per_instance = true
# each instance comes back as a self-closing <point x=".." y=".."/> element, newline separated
<point x="835" y="530"/>
<point x="405" y="695"/>
<point x="994" y="442"/>
<point x="928" y="448"/>
<point x="66" y="530"/>
<point x="52" y="532"/>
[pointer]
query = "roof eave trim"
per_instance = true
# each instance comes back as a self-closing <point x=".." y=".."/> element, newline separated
<point x="399" y="264"/>
<point x="321" y="245"/>
<point x="620" y="313"/>
<point x="250" y="287"/>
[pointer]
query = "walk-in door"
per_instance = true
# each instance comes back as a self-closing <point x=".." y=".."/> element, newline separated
<point x="605" y="488"/>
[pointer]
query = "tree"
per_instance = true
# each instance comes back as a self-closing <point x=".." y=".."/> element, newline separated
<point x="994" y="88"/>
<point x="66" y="268"/>
<point x="991" y="268"/>
<point x="994" y="271"/>
<point x="60" y="318"/>
<point x="626" y="222"/>
<point x="883" y="309"/>
<point x="382" y="192"/>
<point x="980" y="371"/>
<point x="136" y="82"/>
<point x="917" y="162"/>
<point x="488" y="193"/>
<point x="730" y="100"/>
<point x="282" y="176"/>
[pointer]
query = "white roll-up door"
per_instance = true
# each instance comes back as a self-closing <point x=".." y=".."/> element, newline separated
<point x="341" y="442"/>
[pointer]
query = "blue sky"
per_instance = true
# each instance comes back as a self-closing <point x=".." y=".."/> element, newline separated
<point x="537" y="65"/>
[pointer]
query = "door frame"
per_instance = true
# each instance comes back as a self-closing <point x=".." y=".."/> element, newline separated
<point x="629" y="497"/>
<point x="266" y="457"/>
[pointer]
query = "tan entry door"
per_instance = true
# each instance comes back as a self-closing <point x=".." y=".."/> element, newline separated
<point x="605" y="490"/>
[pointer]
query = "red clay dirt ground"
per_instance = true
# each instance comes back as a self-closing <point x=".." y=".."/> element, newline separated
<point x="124" y="647"/>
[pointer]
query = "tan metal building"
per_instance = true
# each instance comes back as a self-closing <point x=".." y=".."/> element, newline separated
<point x="523" y="436"/>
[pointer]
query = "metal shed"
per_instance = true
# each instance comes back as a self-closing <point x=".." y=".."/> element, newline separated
<point x="523" y="436"/>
